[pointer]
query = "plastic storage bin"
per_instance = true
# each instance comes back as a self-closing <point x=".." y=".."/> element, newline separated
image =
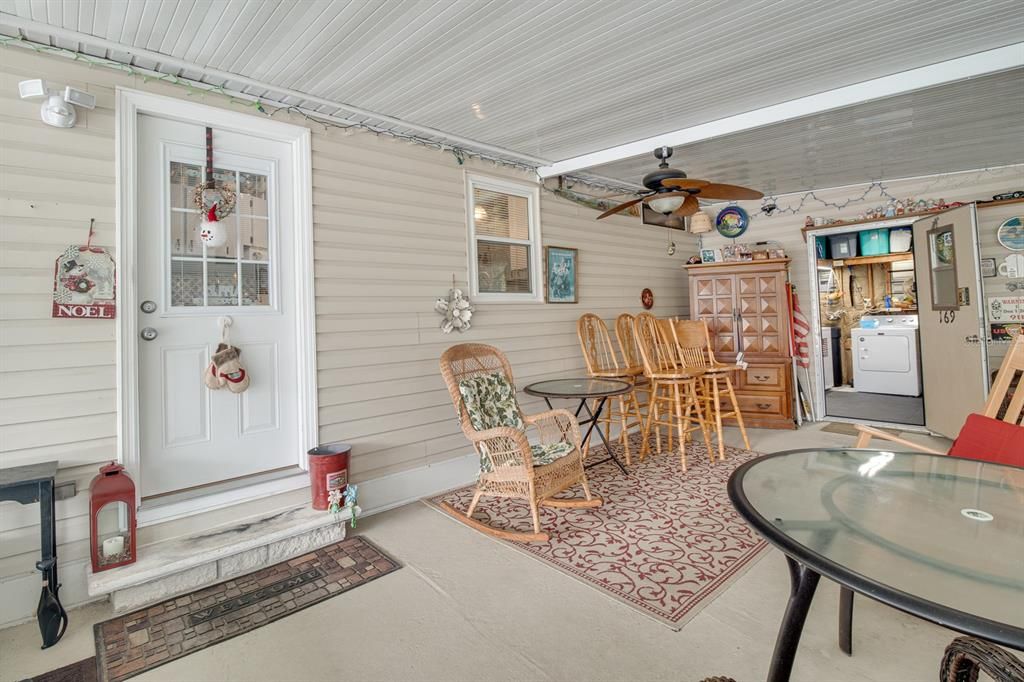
<point x="821" y="247"/>
<point x="843" y="245"/>
<point x="874" y="242"/>
<point x="900" y="239"/>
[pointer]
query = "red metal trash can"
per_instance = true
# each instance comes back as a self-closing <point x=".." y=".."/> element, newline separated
<point x="328" y="470"/>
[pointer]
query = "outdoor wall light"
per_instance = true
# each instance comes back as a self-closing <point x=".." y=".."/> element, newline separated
<point x="57" y="109"/>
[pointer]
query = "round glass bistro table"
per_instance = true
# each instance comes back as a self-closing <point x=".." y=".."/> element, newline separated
<point x="938" y="537"/>
<point x="584" y="390"/>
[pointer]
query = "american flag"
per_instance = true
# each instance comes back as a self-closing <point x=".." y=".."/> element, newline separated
<point x="801" y="329"/>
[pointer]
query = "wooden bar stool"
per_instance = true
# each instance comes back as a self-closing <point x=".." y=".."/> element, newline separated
<point x="693" y="343"/>
<point x="599" y="354"/>
<point x="674" y="400"/>
<point x="632" y="361"/>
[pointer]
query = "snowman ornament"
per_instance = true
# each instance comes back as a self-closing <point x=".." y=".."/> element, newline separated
<point x="211" y="231"/>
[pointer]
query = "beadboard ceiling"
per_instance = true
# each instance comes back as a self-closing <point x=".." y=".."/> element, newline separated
<point x="550" y="80"/>
<point x="978" y="123"/>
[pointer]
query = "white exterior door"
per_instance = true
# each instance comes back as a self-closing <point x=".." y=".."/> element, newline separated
<point x="191" y="436"/>
<point x="951" y="318"/>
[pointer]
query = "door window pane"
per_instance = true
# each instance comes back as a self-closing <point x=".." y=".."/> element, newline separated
<point x="210" y="276"/>
<point x="255" y="237"/>
<point x="252" y="194"/>
<point x="187" y="283"/>
<point x="255" y="284"/>
<point x="185" y="234"/>
<point x="221" y="283"/>
<point x="503" y="268"/>
<point x="942" y="266"/>
<point x="185" y="177"/>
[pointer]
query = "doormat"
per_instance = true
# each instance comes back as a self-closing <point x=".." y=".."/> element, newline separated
<point x="664" y="542"/>
<point x="83" y="671"/>
<point x="150" y="637"/>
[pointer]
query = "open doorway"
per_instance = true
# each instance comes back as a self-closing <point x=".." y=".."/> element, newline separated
<point x="868" y="324"/>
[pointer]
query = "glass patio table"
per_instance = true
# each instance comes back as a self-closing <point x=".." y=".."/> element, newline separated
<point x="584" y="390"/>
<point x="938" y="537"/>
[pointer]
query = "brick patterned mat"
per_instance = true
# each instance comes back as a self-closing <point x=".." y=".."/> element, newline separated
<point x="142" y="640"/>
<point x="82" y="671"/>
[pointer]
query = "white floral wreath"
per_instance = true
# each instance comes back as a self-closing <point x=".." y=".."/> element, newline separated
<point x="456" y="309"/>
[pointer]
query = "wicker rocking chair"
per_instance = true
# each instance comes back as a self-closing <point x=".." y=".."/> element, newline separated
<point x="480" y="382"/>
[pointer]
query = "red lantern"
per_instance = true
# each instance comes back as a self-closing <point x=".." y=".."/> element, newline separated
<point x="112" y="518"/>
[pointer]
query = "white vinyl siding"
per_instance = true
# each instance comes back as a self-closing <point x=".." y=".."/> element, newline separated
<point x="381" y="259"/>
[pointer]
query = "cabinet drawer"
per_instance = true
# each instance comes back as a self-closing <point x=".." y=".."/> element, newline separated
<point x="769" y="377"/>
<point x="772" y="404"/>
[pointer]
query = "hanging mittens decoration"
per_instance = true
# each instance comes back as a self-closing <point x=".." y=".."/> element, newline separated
<point x="215" y="201"/>
<point x="225" y="369"/>
<point x="229" y="368"/>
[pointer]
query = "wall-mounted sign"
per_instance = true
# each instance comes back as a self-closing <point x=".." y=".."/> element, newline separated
<point x="84" y="283"/>
<point x="1006" y="309"/>
<point x="1005" y="331"/>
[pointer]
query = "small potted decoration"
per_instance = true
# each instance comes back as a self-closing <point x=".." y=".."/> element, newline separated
<point x="338" y="500"/>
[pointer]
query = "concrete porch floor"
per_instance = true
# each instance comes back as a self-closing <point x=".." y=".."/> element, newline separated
<point x="464" y="607"/>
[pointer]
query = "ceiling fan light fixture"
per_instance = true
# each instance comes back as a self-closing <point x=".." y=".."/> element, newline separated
<point x="667" y="204"/>
<point x="700" y="223"/>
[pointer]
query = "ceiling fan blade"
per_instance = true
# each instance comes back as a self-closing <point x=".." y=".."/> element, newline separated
<point x="685" y="183"/>
<point x="689" y="207"/>
<point x="620" y="207"/>
<point x="733" y="192"/>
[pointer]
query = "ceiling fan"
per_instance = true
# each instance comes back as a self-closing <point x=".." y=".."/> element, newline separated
<point x="670" y="192"/>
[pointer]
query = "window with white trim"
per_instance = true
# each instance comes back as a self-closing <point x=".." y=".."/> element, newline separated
<point x="504" y="239"/>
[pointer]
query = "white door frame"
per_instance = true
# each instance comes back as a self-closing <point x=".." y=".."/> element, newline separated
<point x="129" y="105"/>
<point x="818" y="390"/>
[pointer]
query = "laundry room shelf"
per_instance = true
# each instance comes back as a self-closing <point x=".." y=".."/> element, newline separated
<point x="873" y="260"/>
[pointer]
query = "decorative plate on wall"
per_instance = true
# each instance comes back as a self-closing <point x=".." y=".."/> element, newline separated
<point x="1011" y="233"/>
<point x="647" y="299"/>
<point x="732" y="222"/>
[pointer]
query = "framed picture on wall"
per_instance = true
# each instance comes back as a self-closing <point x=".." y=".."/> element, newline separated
<point x="560" y="274"/>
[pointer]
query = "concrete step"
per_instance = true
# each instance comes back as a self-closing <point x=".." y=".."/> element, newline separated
<point x="180" y="565"/>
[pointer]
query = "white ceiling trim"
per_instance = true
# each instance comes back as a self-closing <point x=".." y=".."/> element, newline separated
<point x="971" y="66"/>
<point x="63" y="34"/>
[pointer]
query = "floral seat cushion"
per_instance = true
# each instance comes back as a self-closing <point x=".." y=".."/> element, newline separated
<point x="549" y="452"/>
<point x="490" y="402"/>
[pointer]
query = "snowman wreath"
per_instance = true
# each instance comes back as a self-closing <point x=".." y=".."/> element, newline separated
<point x="214" y="200"/>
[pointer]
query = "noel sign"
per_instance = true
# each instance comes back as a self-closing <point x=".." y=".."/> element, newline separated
<point x="84" y="283"/>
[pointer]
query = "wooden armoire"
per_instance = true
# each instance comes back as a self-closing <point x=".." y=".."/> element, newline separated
<point x="746" y="307"/>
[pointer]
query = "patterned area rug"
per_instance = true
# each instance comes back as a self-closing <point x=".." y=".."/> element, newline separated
<point x="664" y="542"/>
<point x="144" y="639"/>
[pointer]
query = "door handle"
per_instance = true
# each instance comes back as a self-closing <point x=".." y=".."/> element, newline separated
<point x="148" y="334"/>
